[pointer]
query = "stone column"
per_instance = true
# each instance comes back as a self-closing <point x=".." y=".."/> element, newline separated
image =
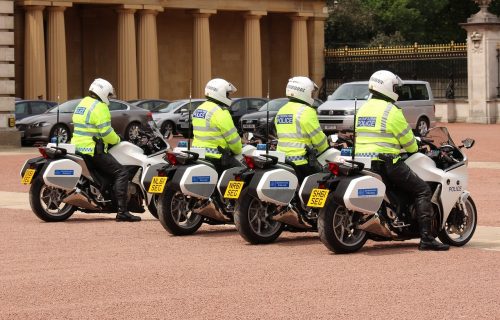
<point x="253" y="55"/>
<point x="127" y="56"/>
<point x="316" y="35"/>
<point x="483" y="35"/>
<point x="148" y="71"/>
<point x="202" y="66"/>
<point x="299" y="65"/>
<point x="34" y="54"/>
<point x="57" y="79"/>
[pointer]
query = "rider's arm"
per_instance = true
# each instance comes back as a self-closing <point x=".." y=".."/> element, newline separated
<point x="228" y="131"/>
<point x="402" y="131"/>
<point x="309" y="122"/>
<point x="102" y="120"/>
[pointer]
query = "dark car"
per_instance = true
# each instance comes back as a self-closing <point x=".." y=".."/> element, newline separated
<point x="26" y="108"/>
<point x="257" y="121"/>
<point x="148" y="104"/>
<point x="239" y="108"/>
<point x="125" y="119"/>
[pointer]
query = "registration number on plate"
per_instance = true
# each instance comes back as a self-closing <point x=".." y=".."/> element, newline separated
<point x="318" y="198"/>
<point x="157" y="184"/>
<point x="28" y="175"/>
<point x="249" y="126"/>
<point x="233" y="189"/>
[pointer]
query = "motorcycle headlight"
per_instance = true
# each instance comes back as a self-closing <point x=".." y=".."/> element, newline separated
<point x="39" y="124"/>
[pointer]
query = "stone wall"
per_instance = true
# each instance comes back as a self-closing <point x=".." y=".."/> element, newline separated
<point x="9" y="136"/>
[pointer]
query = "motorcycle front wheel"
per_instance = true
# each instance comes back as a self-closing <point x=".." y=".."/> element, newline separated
<point x="460" y="225"/>
<point x="252" y="219"/>
<point x="46" y="202"/>
<point x="153" y="206"/>
<point x="176" y="214"/>
<point x="336" y="229"/>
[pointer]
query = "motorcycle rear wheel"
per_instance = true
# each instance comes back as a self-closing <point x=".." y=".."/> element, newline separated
<point x="460" y="226"/>
<point x="46" y="202"/>
<point x="253" y="220"/>
<point x="175" y="214"/>
<point x="336" y="231"/>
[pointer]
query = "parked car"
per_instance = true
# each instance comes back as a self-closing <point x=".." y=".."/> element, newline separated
<point x="148" y="104"/>
<point x="239" y="108"/>
<point x="26" y="108"/>
<point x="167" y="115"/>
<point x="256" y="122"/>
<point x="125" y="119"/>
<point x="415" y="99"/>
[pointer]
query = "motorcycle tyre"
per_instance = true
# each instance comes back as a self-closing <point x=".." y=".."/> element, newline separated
<point x="166" y="218"/>
<point x="152" y="206"/>
<point x="36" y="205"/>
<point x="327" y="233"/>
<point x="242" y="222"/>
<point x="443" y="236"/>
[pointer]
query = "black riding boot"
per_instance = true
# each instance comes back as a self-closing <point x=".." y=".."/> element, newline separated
<point x="121" y="186"/>
<point x="427" y="241"/>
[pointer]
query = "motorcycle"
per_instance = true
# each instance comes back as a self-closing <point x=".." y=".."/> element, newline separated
<point x="190" y="197"/>
<point x="63" y="181"/>
<point x="274" y="197"/>
<point x="360" y="205"/>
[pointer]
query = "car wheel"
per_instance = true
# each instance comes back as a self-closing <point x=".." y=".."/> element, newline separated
<point x="167" y="126"/>
<point x="422" y="126"/>
<point x="132" y="131"/>
<point x="62" y="132"/>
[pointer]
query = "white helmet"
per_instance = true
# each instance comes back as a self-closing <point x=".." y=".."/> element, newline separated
<point x="219" y="89"/>
<point x="385" y="83"/>
<point x="103" y="89"/>
<point x="301" y="88"/>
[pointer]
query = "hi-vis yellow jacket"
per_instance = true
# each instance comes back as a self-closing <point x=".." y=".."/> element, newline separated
<point x="382" y="128"/>
<point x="214" y="127"/>
<point x="297" y="126"/>
<point x="92" y="119"/>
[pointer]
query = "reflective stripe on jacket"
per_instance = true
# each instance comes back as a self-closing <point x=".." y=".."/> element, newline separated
<point x="382" y="128"/>
<point x="91" y="118"/>
<point x="297" y="126"/>
<point x="213" y="127"/>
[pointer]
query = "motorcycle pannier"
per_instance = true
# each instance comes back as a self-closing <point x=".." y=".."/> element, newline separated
<point x="276" y="186"/>
<point x="198" y="181"/>
<point x="62" y="174"/>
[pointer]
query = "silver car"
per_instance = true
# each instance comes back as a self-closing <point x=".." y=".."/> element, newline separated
<point x="168" y="115"/>
<point x="415" y="99"/>
<point x="125" y="120"/>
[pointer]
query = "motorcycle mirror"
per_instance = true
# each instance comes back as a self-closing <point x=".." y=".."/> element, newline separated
<point x="168" y="135"/>
<point x="468" y="143"/>
<point x="334" y="138"/>
<point x="250" y="136"/>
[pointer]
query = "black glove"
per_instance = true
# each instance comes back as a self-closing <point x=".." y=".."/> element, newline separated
<point x="99" y="145"/>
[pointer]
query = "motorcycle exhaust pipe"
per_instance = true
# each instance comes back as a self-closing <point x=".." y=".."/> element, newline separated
<point x="79" y="200"/>
<point x="210" y="211"/>
<point x="293" y="218"/>
<point x="374" y="225"/>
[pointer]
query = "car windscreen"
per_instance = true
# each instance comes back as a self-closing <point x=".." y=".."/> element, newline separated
<point x="274" y="105"/>
<point x="172" y="106"/>
<point x="350" y="91"/>
<point x="66" y="107"/>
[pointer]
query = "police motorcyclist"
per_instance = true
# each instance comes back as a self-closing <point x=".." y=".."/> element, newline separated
<point x="298" y="127"/>
<point x="93" y="135"/>
<point x="213" y="126"/>
<point x="381" y="132"/>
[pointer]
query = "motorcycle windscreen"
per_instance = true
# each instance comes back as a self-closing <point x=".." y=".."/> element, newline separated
<point x="362" y="194"/>
<point x="309" y="183"/>
<point x="277" y="186"/>
<point x="62" y="174"/>
<point x="198" y="181"/>
<point x="227" y="176"/>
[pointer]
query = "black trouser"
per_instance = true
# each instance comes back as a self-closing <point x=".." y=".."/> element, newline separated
<point x="400" y="176"/>
<point x="108" y="166"/>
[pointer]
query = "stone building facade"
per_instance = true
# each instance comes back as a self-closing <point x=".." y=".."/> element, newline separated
<point x="161" y="48"/>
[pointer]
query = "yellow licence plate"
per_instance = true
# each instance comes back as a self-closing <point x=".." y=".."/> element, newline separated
<point x="28" y="175"/>
<point x="233" y="189"/>
<point x="318" y="198"/>
<point x="157" y="184"/>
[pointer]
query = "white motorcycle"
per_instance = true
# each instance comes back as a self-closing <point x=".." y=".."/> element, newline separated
<point x="358" y="205"/>
<point x="62" y="181"/>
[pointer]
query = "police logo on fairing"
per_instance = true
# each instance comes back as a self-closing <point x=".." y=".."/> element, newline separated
<point x="366" y="121"/>
<point x="80" y="110"/>
<point x="200" y="114"/>
<point x="285" y="119"/>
